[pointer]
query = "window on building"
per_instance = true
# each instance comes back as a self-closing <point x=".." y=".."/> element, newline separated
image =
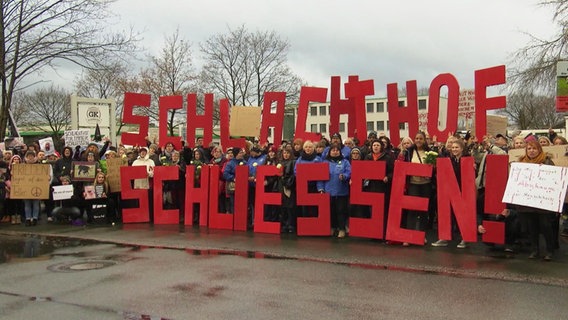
<point x="380" y="126"/>
<point x="422" y="104"/>
<point x="270" y="131"/>
<point x="314" y="128"/>
<point x="323" y="111"/>
<point x="402" y="125"/>
<point x="313" y="111"/>
<point x="370" y="107"/>
<point x="370" y="126"/>
<point x="342" y="127"/>
<point x="323" y="128"/>
<point x="401" y="103"/>
<point x="380" y="107"/>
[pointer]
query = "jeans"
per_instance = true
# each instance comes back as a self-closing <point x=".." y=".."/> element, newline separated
<point x="31" y="209"/>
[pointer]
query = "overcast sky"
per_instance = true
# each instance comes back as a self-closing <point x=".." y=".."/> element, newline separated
<point x="387" y="41"/>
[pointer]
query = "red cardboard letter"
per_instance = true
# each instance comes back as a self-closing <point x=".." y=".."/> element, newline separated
<point x="140" y="214"/>
<point x="196" y="195"/>
<point x="486" y="78"/>
<point x="128" y="117"/>
<point x="321" y="225"/>
<point x="357" y="91"/>
<point x="217" y="220"/>
<point x="496" y="169"/>
<point x="338" y="106"/>
<point x="195" y="121"/>
<point x="161" y="216"/>
<point x="263" y="198"/>
<point x="398" y="115"/>
<point x="451" y="82"/>
<point x="450" y="197"/>
<point x="400" y="201"/>
<point x="241" y="197"/>
<point x="307" y="95"/>
<point x="167" y="103"/>
<point x="226" y="140"/>
<point x="362" y="227"/>
<point x="270" y="119"/>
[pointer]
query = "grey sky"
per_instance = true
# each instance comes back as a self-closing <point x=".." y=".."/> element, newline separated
<point x="388" y="41"/>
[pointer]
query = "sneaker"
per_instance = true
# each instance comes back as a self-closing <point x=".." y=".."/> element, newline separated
<point x="28" y="222"/>
<point x="533" y="255"/>
<point x="440" y="243"/>
<point x="547" y="257"/>
<point x="462" y="245"/>
<point x="341" y="234"/>
<point x="49" y="219"/>
<point x="406" y="244"/>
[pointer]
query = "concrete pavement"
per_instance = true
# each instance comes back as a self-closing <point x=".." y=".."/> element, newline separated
<point x="476" y="261"/>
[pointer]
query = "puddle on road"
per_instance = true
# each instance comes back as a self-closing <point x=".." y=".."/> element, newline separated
<point x="34" y="247"/>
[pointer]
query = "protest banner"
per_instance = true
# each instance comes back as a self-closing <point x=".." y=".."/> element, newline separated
<point x="537" y="186"/>
<point x="30" y="181"/>
<point x="75" y="138"/>
<point x="62" y="192"/>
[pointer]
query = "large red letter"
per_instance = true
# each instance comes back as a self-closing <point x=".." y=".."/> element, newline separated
<point x="226" y="140"/>
<point x="486" y="78"/>
<point x="321" y="225"/>
<point x="357" y="91"/>
<point x="263" y="198"/>
<point x="217" y="220"/>
<point x="195" y="121"/>
<point x="398" y="115"/>
<point x="140" y="214"/>
<point x="338" y="106"/>
<point x="165" y="104"/>
<point x="451" y="125"/>
<point x="307" y="95"/>
<point x="496" y="175"/>
<point x="196" y="195"/>
<point x="275" y="120"/>
<point x="128" y="117"/>
<point x="162" y="216"/>
<point x="362" y="227"/>
<point x="450" y="196"/>
<point x="241" y="197"/>
<point x="399" y="201"/>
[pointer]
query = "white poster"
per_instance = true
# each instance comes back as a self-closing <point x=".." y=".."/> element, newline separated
<point x="75" y="138"/>
<point x="47" y="146"/>
<point x="536" y="186"/>
<point x="63" y="192"/>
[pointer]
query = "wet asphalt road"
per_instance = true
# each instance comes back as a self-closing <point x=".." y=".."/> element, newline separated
<point x="65" y="278"/>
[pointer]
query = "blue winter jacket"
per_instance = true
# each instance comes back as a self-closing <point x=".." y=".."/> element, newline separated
<point x="334" y="186"/>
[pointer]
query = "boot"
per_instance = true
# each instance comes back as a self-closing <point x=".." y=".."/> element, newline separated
<point x="18" y="219"/>
<point x="13" y="219"/>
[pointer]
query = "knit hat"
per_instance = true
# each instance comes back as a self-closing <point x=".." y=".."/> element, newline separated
<point x="236" y="151"/>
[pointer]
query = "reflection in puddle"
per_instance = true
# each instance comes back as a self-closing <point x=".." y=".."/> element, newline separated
<point x="33" y="247"/>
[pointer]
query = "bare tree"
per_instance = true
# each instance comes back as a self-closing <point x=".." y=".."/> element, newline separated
<point x="529" y="111"/>
<point x="242" y="65"/>
<point x="534" y="66"/>
<point x="47" y="110"/>
<point x="37" y="33"/>
<point x="170" y="73"/>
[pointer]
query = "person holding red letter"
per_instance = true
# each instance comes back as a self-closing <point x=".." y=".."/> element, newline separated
<point x="338" y="188"/>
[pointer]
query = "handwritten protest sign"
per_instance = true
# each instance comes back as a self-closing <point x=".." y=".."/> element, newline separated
<point x="536" y="186"/>
<point x="47" y="146"/>
<point x="62" y="192"/>
<point x="30" y="181"/>
<point x="75" y="138"/>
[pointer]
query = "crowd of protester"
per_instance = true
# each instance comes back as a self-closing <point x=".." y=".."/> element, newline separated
<point x="524" y="225"/>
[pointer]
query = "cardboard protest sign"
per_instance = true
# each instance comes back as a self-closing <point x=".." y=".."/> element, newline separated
<point x="537" y="186"/>
<point x="245" y="121"/>
<point x="556" y="153"/>
<point x="30" y="181"/>
<point x="113" y="173"/>
<point x="62" y="192"/>
<point x="89" y="192"/>
<point x="75" y="138"/>
<point x="496" y="124"/>
<point x="47" y="146"/>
